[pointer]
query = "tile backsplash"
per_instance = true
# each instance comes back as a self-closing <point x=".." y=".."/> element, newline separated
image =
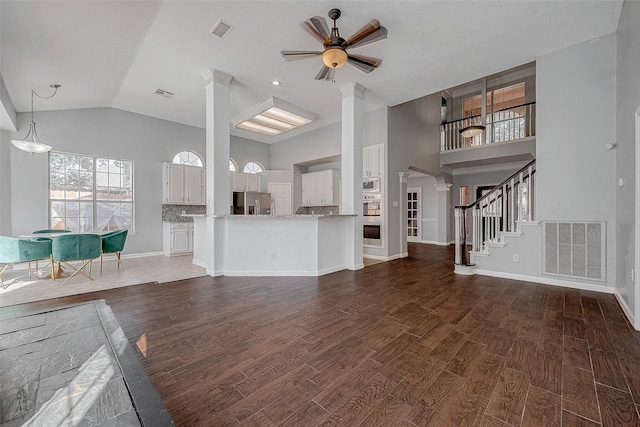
<point x="318" y="210"/>
<point x="171" y="213"/>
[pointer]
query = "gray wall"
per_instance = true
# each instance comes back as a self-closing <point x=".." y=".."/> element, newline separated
<point x="104" y="132"/>
<point x="576" y="118"/>
<point x="628" y="103"/>
<point x="414" y="141"/>
<point x="5" y="183"/>
<point x="244" y="151"/>
<point x="475" y="177"/>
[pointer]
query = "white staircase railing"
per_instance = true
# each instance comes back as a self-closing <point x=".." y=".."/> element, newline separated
<point x="500" y="211"/>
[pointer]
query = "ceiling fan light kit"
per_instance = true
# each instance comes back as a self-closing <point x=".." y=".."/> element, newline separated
<point x="335" y="53"/>
<point x="31" y="143"/>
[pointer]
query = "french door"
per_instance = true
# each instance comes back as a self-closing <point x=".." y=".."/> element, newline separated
<point x="414" y="214"/>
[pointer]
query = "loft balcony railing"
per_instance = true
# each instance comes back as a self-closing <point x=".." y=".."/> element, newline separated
<point x="505" y="125"/>
<point x="500" y="211"/>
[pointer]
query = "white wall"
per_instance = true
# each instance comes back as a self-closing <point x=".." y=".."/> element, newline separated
<point x="5" y="183"/>
<point x="104" y="132"/>
<point x="575" y="175"/>
<point x="628" y="102"/>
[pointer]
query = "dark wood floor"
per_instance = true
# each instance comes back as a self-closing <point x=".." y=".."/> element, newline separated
<point x="404" y="343"/>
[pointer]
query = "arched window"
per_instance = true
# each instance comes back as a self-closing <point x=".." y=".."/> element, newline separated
<point x="253" y="167"/>
<point x="188" y="158"/>
<point x="233" y="166"/>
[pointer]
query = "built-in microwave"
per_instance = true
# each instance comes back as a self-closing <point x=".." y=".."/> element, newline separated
<point x="371" y="184"/>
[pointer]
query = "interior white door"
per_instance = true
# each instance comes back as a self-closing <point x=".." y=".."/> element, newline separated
<point x="281" y="197"/>
<point x="414" y="214"/>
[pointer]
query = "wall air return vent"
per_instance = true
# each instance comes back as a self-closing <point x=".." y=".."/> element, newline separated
<point x="221" y="29"/>
<point x="574" y="249"/>
<point x="164" y="93"/>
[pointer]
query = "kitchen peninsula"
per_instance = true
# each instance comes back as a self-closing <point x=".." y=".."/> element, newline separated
<point x="265" y="245"/>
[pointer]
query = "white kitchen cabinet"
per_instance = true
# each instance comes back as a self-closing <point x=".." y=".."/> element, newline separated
<point x="244" y="181"/>
<point x="371" y="160"/>
<point x="177" y="238"/>
<point x="173" y="178"/>
<point x="320" y="188"/>
<point x="183" y="184"/>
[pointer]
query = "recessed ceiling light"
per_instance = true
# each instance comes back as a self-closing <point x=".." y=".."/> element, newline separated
<point x="276" y="83"/>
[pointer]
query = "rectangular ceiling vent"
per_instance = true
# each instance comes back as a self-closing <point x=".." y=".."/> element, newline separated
<point x="221" y="29"/>
<point x="164" y="93"/>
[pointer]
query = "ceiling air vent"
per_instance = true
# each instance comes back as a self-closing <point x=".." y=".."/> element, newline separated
<point x="221" y="29"/>
<point x="164" y="93"/>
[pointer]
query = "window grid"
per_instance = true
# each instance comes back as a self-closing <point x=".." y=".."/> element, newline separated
<point x="188" y="158"/>
<point x="253" y="167"/>
<point x="89" y="194"/>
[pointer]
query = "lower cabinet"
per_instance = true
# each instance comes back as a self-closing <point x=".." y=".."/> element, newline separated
<point x="177" y="238"/>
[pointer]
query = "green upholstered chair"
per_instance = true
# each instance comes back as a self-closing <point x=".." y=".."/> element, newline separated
<point x="76" y="247"/>
<point x="16" y="251"/>
<point x="113" y="242"/>
<point x="53" y="230"/>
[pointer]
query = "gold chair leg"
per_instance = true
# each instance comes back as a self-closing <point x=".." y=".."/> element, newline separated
<point x="101" y="263"/>
<point x="90" y="266"/>
<point x="78" y="271"/>
<point x="29" y="267"/>
<point x="119" y="260"/>
<point x="53" y="274"/>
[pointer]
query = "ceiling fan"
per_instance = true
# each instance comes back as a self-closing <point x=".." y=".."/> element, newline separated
<point x="335" y="53"/>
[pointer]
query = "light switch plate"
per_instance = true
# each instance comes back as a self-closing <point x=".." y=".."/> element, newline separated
<point x="395" y="203"/>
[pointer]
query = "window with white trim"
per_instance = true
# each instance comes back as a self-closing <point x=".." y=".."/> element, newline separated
<point x="233" y="167"/>
<point x="188" y="158"/>
<point x="253" y="167"/>
<point x="90" y="194"/>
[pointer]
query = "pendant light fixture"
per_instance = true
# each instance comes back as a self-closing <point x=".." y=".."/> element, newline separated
<point x="31" y="142"/>
<point x="472" y="130"/>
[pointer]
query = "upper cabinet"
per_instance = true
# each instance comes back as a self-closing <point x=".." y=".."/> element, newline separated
<point x="371" y="160"/>
<point x="320" y="188"/>
<point x="244" y="181"/>
<point x="183" y="184"/>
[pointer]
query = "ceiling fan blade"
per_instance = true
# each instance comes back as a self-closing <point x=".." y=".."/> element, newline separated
<point x="323" y="73"/>
<point x="363" y="32"/>
<point x="299" y="54"/>
<point x="331" y="75"/>
<point x="319" y="24"/>
<point x="378" y="34"/>
<point x="364" y="63"/>
<point x="311" y="30"/>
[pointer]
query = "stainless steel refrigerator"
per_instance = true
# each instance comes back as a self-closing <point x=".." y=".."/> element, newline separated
<point x="257" y="203"/>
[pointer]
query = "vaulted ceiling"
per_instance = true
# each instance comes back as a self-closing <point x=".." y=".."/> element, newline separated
<point x="117" y="53"/>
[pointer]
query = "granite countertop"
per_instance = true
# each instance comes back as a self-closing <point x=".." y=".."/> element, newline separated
<point x="284" y="216"/>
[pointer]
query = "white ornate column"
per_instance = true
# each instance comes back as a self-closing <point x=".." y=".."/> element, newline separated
<point x="444" y="213"/>
<point x="404" y="252"/>
<point x="218" y="138"/>
<point x="351" y="173"/>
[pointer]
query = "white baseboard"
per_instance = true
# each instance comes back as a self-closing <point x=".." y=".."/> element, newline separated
<point x="547" y="281"/>
<point x="627" y="311"/>
<point x="385" y="258"/>
<point x="214" y="273"/>
<point x="444" y="243"/>
<point x="270" y="273"/>
<point x="428" y="242"/>
<point x="138" y="255"/>
<point x="199" y="263"/>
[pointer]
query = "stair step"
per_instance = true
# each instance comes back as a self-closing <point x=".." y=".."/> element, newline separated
<point x="480" y="254"/>
<point x="510" y="233"/>
<point x="496" y="244"/>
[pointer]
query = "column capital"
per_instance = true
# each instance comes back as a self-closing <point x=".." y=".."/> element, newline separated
<point x="403" y="176"/>
<point x="443" y="187"/>
<point x="217" y="76"/>
<point x="353" y="89"/>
